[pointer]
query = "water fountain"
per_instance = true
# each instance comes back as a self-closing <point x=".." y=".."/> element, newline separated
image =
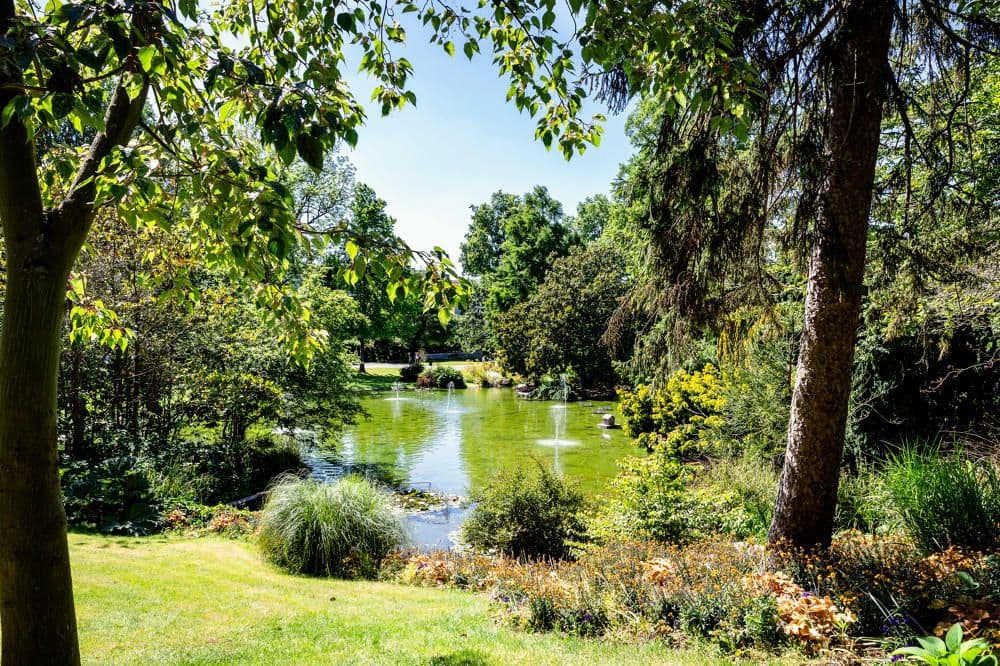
<point x="449" y="407"/>
<point x="563" y="394"/>
<point x="560" y="416"/>
<point x="396" y="388"/>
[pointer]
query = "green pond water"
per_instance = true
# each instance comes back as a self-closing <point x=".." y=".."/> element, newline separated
<point x="453" y="443"/>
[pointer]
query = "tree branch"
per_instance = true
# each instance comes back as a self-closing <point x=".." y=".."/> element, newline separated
<point x="71" y="219"/>
<point x="21" y="209"/>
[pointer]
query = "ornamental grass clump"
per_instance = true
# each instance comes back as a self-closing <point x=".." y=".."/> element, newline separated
<point x="946" y="499"/>
<point x="343" y="529"/>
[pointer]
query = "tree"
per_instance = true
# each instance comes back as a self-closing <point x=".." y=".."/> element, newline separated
<point x="534" y="236"/>
<point x="162" y="90"/>
<point x="771" y="114"/>
<point x="560" y="326"/>
<point x="591" y="216"/>
<point x="482" y="248"/>
<point x="369" y="219"/>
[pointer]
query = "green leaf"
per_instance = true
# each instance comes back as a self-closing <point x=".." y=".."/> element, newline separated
<point x="310" y="150"/>
<point x="346" y="21"/>
<point x="933" y="644"/>
<point x="62" y="105"/>
<point x="351" y="248"/>
<point x="146" y="54"/>
<point x="449" y="48"/>
<point x="953" y="639"/>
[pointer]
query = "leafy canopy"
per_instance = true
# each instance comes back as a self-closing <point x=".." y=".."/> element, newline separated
<point x="183" y="115"/>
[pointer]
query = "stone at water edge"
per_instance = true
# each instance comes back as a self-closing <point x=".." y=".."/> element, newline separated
<point x="608" y="422"/>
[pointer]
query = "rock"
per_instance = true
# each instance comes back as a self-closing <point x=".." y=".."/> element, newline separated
<point x="608" y="422"/>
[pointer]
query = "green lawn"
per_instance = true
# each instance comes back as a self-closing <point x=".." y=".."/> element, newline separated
<point x="174" y="600"/>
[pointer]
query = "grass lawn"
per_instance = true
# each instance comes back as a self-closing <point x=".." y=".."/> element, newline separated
<point x="175" y="600"/>
<point x="376" y="379"/>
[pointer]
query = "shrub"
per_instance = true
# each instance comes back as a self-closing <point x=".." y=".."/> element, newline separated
<point x="113" y="496"/>
<point x="440" y="376"/>
<point x="411" y="372"/>
<point x="684" y="418"/>
<point x="339" y="529"/>
<point x="648" y="501"/>
<point x="526" y="514"/>
<point x="557" y="386"/>
<point x="946" y="499"/>
<point x="485" y="374"/>
<point x="209" y="472"/>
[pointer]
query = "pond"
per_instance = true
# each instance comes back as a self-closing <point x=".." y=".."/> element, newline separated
<point x="455" y="442"/>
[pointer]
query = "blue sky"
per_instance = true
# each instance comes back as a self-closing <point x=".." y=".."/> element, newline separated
<point x="463" y="142"/>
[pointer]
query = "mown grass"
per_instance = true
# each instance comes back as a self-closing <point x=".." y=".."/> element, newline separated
<point x="375" y="379"/>
<point x="173" y="600"/>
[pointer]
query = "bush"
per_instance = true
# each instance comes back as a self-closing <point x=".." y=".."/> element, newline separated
<point x="440" y="376"/>
<point x="648" y="502"/>
<point x="411" y="372"/>
<point x="684" y="418"/>
<point x="113" y="496"/>
<point x="484" y="373"/>
<point x="529" y="515"/>
<point x="946" y="499"/>
<point x="210" y="472"/>
<point x="341" y="529"/>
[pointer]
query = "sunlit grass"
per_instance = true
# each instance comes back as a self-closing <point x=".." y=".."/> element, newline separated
<point x="213" y="601"/>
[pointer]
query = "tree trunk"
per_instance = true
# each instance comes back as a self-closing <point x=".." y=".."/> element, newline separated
<point x="858" y="67"/>
<point x="361" y="356"/>
<point x="36" y="592"/>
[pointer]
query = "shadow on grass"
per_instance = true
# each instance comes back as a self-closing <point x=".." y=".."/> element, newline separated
<point x="373" y="383"/>
<point x="461" y="658"/>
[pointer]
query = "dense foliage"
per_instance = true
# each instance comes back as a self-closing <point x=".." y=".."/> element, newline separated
<point x="683" y="418"/>
<point x="560" y="326"/>
<point x="526" y="513"/>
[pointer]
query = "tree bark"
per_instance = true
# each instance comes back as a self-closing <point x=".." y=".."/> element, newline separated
<point x="36" y="590"/>
<point x="858" y="69"/>
<point x="361" y="357"/>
